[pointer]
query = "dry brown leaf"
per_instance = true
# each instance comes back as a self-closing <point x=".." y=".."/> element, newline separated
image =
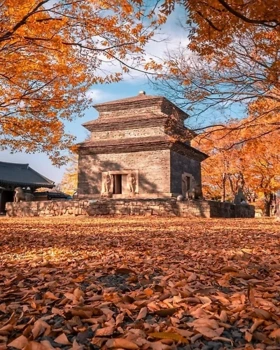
<point x="195" y="337"/>
<point x="119" y="319"/>
<point x="124" y="271"/>
<point x="205" y="300"/>
<point x="47" y="345"/>
<point x="222" y="299"/>
<point x="209" y="333"/>
<point x="33" y="345"/>
<point x="251" y="295"/>
<point x="158" y="345"/>
<point x="259" y="313"/>
<point x="39" y="328"/>
<point x="78" y="293"/>
<point x="86" y="311"/>
<point x="166" y="312"/>
<point x="204" y="322"/>
<point x="62" y="339"/>
<point x="50" y="295"/>
<point x="169" y="335"/>
<point x="6" y="329"/>
<point x="223" y="316"/>
<point x="98" y="341"/>
<point x="262" y="337"/>
<point x="256" y="324"/>
<point x="243" y="275"/>
<point x="121" y="343"/>
<point x="104" y="332"/>
<point x="275" y="334"/>
<point x="148" y="292"/>
<point x="248" y="336"/>
<point x="81" y="313"/>
<point x="78" y="279"/>
<point x="57" y="311"/>
<point x="19" y="343"/>
<point x="12" y="320"/>
<point x="184" y="332"/>
<point x="69" y="296"/>
<point x="142" y="313"/>
<point x="223" y="339"/>
<point x="3" y="340"/>
<point x="229" y="269"/>
<point x="159" y="288"/>
<point x="76" y="346"/>
<point x="192" y="277"/>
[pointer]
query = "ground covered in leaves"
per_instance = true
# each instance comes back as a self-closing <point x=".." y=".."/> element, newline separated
<point x="139" y="283"/>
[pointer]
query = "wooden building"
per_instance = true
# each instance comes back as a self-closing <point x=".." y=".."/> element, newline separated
<point x="138" y="147"/>
<point x="14" y="175"/>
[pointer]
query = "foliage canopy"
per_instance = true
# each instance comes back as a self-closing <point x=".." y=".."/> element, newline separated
<point x="51" y="52"/>
<point x="232" y="58"/>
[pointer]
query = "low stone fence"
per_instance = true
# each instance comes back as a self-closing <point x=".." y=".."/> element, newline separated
<point x="161" y="207"/>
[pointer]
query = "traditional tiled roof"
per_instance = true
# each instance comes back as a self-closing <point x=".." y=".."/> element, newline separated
<point x="22" y="175"/>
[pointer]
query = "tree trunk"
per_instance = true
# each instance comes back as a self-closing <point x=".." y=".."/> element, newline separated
<point x="268" y="202"/>
<point x="224" y="187"/>
<point x="267" y="207"/>
<point x="277" y="207"/>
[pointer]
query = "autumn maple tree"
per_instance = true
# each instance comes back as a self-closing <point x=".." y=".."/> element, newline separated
<point x="69" y="182"/>
<point x="51" y="53"/>
<point x="253" y="166"/>
<point x="232" y="59"/>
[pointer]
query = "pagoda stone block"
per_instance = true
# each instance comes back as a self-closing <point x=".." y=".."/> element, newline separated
<point x="138" y="147"/>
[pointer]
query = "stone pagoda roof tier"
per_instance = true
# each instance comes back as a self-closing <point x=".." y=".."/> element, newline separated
<point x="141" y="112"/>
<point x="128" y="145"/>
<point x="141" y="104"/>
<point x="125" y="123"/>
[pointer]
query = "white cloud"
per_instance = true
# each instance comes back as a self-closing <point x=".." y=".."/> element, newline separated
<point x="169" y="37"/>
<point x="97" y="95"/>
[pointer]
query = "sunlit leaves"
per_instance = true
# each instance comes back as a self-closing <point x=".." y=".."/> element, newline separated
<point x="231" y="59"/>
<point x="51" y="53"/>
<point x="239" y="158"/>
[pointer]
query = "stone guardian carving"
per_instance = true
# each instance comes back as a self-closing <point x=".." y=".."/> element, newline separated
<point x="106" y="185"/>
<point x="131" y="182"/>
<point x="20" y="195"/>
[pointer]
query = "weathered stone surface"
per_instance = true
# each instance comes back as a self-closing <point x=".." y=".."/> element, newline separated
<point x="162" y="207"/>
<point x="154" y="176"/>
<point x="179" y="165"/>
<point x="141" y="136"/>
<point x="130" y="133"/>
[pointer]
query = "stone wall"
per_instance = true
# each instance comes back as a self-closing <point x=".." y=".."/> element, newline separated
<point x="181" y="164"/>
<point x="153" y="167"/>
<point x="161" y="207"/>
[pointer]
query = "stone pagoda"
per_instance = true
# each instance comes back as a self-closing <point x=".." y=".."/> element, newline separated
<point x="139" y="147"/>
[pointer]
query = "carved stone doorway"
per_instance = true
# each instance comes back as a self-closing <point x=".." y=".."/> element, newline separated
<point x="117" y="183"/>
<point x="123" y="183"/>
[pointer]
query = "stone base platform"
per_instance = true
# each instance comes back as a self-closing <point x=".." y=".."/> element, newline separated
<point x="161" y="207"/>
